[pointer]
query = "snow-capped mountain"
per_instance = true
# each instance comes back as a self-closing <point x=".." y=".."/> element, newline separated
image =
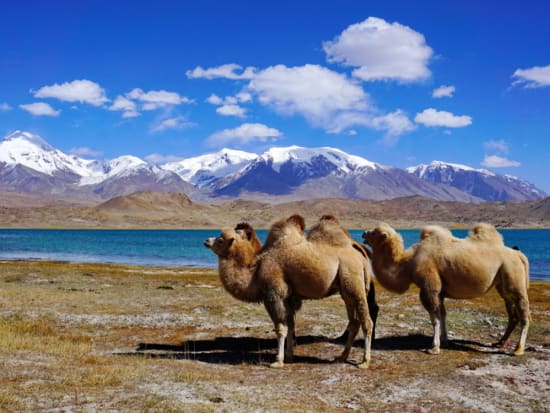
<point x="203" y="170"/>
<point x="29" y="164"/>
<point x="480" y="183"/>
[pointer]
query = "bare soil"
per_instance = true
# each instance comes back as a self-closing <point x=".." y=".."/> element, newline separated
<point x="86" y="338"/>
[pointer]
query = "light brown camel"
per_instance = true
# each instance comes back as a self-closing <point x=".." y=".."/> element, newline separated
<point x="443" y="266"/>
<point x="248" y="232"/>
<point x="289" y="269"/>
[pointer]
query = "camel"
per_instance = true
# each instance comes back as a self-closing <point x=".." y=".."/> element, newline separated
<point x="443" y="266"/>
<point x="248" y="232"/>
<point x="291" y="268"/>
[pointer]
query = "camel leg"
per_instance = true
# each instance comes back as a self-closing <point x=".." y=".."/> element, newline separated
<point x="373" y="310"/>
<point x="430" y="301"/>
<point x="443" y="311"/>
<point x="512" y="322"/>
<point x="282" y="332"/>
<point x="278" y="313"/>
<point x="524" y="316"/>
<point x="289" y="351"/>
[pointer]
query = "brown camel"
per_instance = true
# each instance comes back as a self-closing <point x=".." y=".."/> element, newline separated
<point x="248" y="232"/>
<point x="443" y="266"/>
<point x="291" y="268"/>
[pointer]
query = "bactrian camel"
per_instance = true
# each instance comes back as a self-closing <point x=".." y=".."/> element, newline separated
<point x="291" y="268"/>
<point x="443" y="266"/>
<point x="248" y="232"/>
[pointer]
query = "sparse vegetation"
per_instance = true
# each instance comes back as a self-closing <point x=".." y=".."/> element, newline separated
<point x="109" y="338"/>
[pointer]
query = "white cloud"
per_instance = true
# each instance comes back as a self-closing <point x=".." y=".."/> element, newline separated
<point x="214" y="99"/>
<point x="316" y="93"/>
<point x="83" y="91"/>
<point x="227" y="71"/>
<point x="156" y="158"/>
<point x="241" y="97"/>
<point x="432" y="117"/>
<point x="246" y="133"/>
<point x="40" y="109"/>
<point x="4" y="107"/>
<point x="494" y="161"/>
<point x="533" y="77"/>
<point x="499" y="146"/>
<point x="443" y="91"/>
<point x="178" y="122"/>
<point x="381" y="51"/>
<point x="155" y="99"/>
<point x="395" y="124"/>
<point x="127" y="106"/>
<point x="231" y="110"/>
<point x="84" y="151"/>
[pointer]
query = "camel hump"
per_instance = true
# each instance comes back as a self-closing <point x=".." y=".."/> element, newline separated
<point x="436" y="233"/>
<point x="285" y="231"/>
<point x="329" y="232"/>
<point x="485" y="232"/>
<point x="297" y="220"/>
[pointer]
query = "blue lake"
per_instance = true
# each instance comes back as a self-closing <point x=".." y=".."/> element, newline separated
<point x="174" y="248"/>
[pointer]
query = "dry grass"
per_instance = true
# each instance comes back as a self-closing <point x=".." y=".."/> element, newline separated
<point x="120" y="338"/>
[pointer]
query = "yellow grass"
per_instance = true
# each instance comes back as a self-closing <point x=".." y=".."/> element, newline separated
<point x="114" y="338"/>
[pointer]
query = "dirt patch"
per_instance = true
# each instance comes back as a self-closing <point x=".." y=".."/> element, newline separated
<point x="110" y="338"/>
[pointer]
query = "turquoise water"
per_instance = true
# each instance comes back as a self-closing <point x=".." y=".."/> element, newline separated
<point x="174" y="248"/>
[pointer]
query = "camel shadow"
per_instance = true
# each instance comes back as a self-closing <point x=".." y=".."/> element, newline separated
<point x="226" y="350"/>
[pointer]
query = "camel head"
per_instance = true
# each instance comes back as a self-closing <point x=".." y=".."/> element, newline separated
<point x="223" y="244"/>
<point x="380" y="236"/>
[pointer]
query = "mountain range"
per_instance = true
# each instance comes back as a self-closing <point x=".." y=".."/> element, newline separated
<point x="28" y="164"/>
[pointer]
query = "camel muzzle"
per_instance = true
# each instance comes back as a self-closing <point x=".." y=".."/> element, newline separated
<point x="209" y="242"/>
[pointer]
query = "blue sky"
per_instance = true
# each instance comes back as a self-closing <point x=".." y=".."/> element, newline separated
<point x="397" y="82"/>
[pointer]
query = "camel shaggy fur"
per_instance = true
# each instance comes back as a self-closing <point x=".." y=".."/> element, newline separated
<point x="291" y="268"/>
<point x="443" y="266"/>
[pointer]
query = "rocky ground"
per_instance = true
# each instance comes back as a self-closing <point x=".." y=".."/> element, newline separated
<point x="86" y="338"/>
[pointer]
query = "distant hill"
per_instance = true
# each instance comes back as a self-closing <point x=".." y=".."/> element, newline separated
<point x="176" y="210"/>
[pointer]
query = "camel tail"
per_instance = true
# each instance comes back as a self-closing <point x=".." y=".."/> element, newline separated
<point x="525" y="263"/>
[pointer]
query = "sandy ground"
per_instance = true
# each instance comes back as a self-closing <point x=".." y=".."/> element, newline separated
<point x="86" y="338"/>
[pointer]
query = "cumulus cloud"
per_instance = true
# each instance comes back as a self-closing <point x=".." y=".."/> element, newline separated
<point x="499" y="146"/>
<point x="443" y="92"/>
<point x="4" y="107"/>
<point x="86" y="152"/>
<point x="495" y="161"/>
<point x="243" y="134"/>
<point x="155" y="99"/>
<point x="432" y="117"/>
<point x="40" y="109"/>
<point x="533" y="77"/>
<point x="231" y="110"/>
<point x="83" y="91"/>
<point x="178" y="122"/>
<point x="127" y="106"/>
<point x="381" y="51"/>
<point x="226" y="71"/>
<point x="316" y="93"/>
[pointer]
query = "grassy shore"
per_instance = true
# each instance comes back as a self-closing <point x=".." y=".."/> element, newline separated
<point x="93" y="337"/>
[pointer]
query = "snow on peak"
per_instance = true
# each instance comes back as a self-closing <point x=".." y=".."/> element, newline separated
<point x="422" y="169"/>
<point x="27" y="139"/>
<point x="200" y="170"/>
<point x="343" y="161"/>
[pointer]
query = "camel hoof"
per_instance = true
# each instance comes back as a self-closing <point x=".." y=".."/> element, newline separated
<point x="433" y="351"/>
<point x="518" y="352"/>
<point x="277" y="365"/>
<point x="363" y="365"/>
